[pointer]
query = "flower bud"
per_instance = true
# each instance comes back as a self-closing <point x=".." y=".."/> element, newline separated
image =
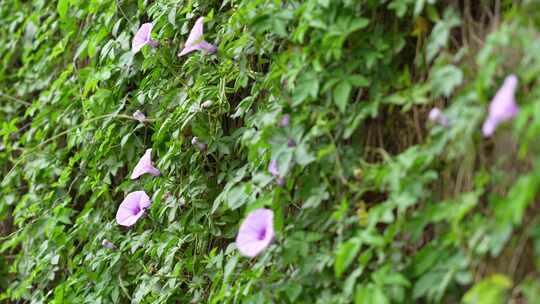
<point x="437" y="116"/>
<point x="291" y="143"/>
<point x="358" y="173"/>
<point x="285" y="121"/>
<point x="273" y="168"/>
<point x="139" y="116"/>
<point x="107" y="244"/>
<point x="200" y="145"/>
<point x="207" y="104"/>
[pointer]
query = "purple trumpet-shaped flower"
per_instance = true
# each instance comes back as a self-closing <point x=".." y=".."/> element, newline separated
<point x="142" y="38"/>
<point x="196" y="41"/>
<point x="503" y="106"/>
<point x="256" y="232"/>
<point x="139" y="116"/>
<point x="145" y="166"/>
<point x="436" y="116"/>
<point x="132" y="208"/>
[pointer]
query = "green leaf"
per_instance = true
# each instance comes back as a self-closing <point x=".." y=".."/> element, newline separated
<point x="62" y="9"/>
<point x="441" y="33"/>
<point x="342" y="93"/>
<point x="238" y="196"/>
<point x="445" y="79"/>
<point x="302" y="156"/>
<point x="490" y="290"/>
<point x="370" y="294"/>
<point x="358" y="23"/>
<point x="307" y="86"/>
<point x="345" y="255"/>
<point x="293" y="290"/>
<point x="521" y="195"/>
<point x="171" y="16"/>
<point x="358" y="80"/>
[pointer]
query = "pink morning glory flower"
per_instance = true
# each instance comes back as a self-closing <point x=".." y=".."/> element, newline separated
<point x="142" y="38"/>
<point x="196" y="41"/>
<point x="436" y="116"/>
<point x="132" y="208"/>
<point x="503" y="106"/>
<point x="145" y="166"/>
<point x="256" y="232"/>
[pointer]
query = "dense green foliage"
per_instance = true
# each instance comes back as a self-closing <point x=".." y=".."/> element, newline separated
<point x="378" y="204"/>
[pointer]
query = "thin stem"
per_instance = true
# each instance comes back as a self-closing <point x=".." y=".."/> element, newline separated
<point x="29" y="150"/>
<point x="24" y="102"/>
<point x="122" y="12"/>
<point x="338" y="160"/>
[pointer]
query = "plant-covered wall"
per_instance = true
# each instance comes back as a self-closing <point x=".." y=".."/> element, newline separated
<point x="318" y="151"/>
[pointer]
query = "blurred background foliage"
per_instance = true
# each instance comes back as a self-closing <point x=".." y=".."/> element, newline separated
<point x="378" y="205"/>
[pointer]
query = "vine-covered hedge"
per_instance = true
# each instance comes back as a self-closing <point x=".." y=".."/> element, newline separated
<point x="316" y="111"/>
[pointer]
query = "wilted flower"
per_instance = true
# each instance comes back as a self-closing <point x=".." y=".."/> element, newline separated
<point x="503" y="106"/>
<point x="139" y="116"/>
<point x="285" y="120"/>
<point x="145" y="166"/>
<point x="436" y="116"/>
<point x="108" y="244"/>
<point x="142" y="38"/>
<point x="132" y="208"/>
<point x="196" y="41"/>
<point x="256" y="232"/>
